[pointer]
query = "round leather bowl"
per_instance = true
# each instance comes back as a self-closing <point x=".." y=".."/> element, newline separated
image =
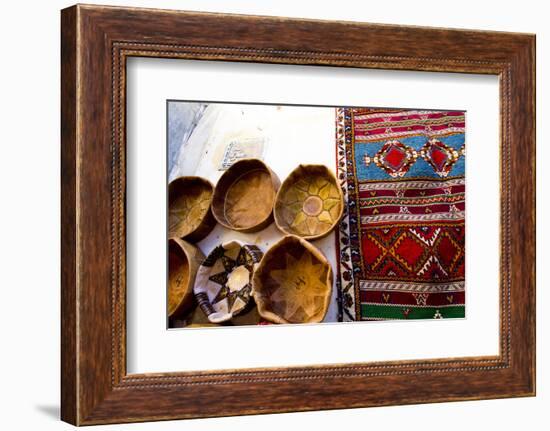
<point x="183" y="261"/>
<point x="244" y="196"/>
<point x="309" y="203"/>
<point x="293" y="282"/>
<point x="189" y="213"/>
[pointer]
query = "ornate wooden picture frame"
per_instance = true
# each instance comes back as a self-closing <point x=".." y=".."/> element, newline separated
<point x="96" y="42"/>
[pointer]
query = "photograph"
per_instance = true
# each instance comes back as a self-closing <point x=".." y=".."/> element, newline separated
<point x="287" y="214"/>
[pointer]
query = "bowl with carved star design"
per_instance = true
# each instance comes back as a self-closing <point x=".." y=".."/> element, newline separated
<point x="189" y="208"/>
<point x="309" y="203"/>
<point x="293" y="282"/>
<point x="223" y="285"/>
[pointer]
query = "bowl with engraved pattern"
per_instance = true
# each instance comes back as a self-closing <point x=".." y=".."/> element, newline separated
<point x="293" y="283"/>
<point x="309" y="203"/>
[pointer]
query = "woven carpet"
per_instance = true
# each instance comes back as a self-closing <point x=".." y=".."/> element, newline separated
<point x="401" y="240"/>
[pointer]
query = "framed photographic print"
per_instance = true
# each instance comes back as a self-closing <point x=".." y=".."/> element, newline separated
<point x="329" y="214"/>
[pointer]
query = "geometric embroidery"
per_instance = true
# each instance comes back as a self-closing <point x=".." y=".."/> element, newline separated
<point x="399" y="252"/>
<point x="440" y="156"/>
<point x="401" y="241"/>
<point x="395" y="158"/>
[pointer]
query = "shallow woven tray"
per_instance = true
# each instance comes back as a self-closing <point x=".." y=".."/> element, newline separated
<point x="189" y="213"/>
<point x="309" y="203"/>
<point x="293" y="282"/>
<point x="223" y="283"/>
<point x="244" y="196"/>
<point x="183" y="261"/>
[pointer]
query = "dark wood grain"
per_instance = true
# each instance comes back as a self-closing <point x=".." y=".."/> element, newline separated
<point x="96" y="41"/>
<point x="69" y="371"/>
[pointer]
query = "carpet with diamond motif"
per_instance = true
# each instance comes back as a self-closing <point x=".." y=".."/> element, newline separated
<point x="401" y="241"/>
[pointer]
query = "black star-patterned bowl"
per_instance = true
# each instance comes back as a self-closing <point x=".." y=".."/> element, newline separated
<point x="223" y="283"/>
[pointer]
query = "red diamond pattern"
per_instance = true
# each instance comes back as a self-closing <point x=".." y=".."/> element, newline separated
<point x="371" y="251"/>
<point x="440" y="156"/>
<point x="448" y="251"/>
<point x="409" y="250"/>
<point x="395" y="158"/>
